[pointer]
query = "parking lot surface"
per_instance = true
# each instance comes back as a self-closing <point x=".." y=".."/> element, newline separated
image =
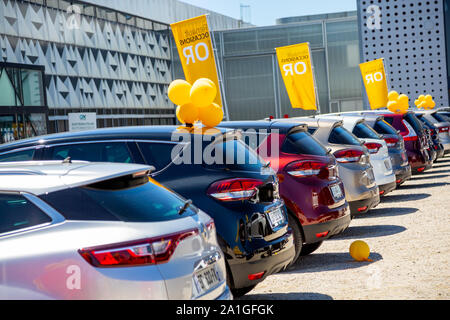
<point x="408" y="234"/>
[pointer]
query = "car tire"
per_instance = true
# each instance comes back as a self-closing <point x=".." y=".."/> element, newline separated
<point x="242" y="291"/>
<point x="310" y="248"/>
<point x="298" y="238"/>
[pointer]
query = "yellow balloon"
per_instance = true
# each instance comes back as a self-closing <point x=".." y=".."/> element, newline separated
<point x="422" y="104"/>
<point x="403" y="99"/>
<point x="392" y="105"/>
<point x="432" y="104"/>
<point x="360" y="251"/>
<point x="417" y="102"/>
<point x="179" y="92"/>
<point x="203" y="93"/>
<point x="393" y="95"/>
<point x="421" y="97"/>
<point x="187" y="113"/>
<point x="211" y="116"/>
<point x="428" y="97"/>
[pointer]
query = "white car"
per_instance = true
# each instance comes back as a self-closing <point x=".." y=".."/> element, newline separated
<point x="102" y="231"/>
<point x="377" y="147"/>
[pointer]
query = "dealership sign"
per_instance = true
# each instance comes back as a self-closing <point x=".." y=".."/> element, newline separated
<point x="298" y="76"/>
<point x="374" y="77"/>
<point x="195" y="49"/>
<point x="82" y="121"/>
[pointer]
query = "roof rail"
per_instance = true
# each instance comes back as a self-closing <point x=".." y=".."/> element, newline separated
<point x="19" y="171"/>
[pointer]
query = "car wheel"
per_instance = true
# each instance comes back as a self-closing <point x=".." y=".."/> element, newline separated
<point x="298" y="237"/>
<point x="242" y="291"/>
<point x="310" y="248"/>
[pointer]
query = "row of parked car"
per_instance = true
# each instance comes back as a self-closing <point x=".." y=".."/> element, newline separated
<point x="143" y="212"/>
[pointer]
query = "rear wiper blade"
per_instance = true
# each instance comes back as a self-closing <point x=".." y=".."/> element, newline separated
<point x="186" y="205"/>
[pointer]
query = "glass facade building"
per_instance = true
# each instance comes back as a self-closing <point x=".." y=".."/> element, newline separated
<point x="253" y="85"/>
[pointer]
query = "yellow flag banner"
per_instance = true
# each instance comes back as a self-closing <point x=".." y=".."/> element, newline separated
<point x="296" y="70"/>
<point x="374" y="77"/>
<point x="195" y="49"/>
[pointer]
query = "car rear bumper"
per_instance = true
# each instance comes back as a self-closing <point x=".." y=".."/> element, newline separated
<point x="362" y="206"/>
<point x="386" y="188"/>
<point x="402" y="174"/>
<point x="271" y="259"/>
<point x="314" y="232"/>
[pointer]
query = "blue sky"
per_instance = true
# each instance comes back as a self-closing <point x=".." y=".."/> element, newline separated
<point x="265" y="12"/>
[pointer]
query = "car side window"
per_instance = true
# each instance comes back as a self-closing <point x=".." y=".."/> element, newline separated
<point x="157" y="154"/>
<point x="94" y="152"/>
<point x="16" y="212"/>
<point x="253" y="139"/>
<point x="24" y="155"/>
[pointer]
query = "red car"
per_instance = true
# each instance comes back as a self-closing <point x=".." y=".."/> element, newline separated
<point x="416" y="143"/>
<point x="308" y="179"/>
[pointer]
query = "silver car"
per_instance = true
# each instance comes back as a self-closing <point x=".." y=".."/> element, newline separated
<point x="103" y="231"/>
<point x="355" y="170"/>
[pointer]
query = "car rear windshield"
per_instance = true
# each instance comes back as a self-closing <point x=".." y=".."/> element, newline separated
<point x="363" y="131"/>
<point x="439" y="117"/>
<point x="302" y="142"/>
<point x="122" y="199"/>
<point x="382" y="127"/>
<point x="426" y="122"/>
<point x="232" y="154"/>
<point x="340" y="135"/>
<point x="414" y="122"/>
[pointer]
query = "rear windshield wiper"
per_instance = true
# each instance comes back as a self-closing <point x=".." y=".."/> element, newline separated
<point x="186" y="205"/>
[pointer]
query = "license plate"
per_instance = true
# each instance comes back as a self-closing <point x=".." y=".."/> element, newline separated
<point x="206" y="279"/>
<point x="276" y="217"/>
<point x="336" y="191"/>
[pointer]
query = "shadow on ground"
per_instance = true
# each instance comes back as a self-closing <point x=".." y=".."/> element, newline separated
<point x="361" y="232"/>
<point x="424" y="185"/>
<point x="329" y="261"/>
<point x="431" y="176"/>
<point x="397" y="198"/>
<point x="286" y="296"/>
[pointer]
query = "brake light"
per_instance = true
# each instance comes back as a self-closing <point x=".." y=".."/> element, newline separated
<point x="410" y="138"/>
<point x="256" y="276"/>
<point x="409" y="134"/>
<point x="373" y="147"/>
<point x="348" y="155"/>
<point x="391" y="142"/>
<point x="234" y="189"/>
<point x="443" y="129"/>
<point x="305" y="168"/>
<point x="141" y="252"/>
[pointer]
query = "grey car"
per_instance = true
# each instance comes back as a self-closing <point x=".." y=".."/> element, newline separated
<point x="103" y="231"/>
<point x="355" y="170"/>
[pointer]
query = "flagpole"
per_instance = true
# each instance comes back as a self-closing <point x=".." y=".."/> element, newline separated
<point x="316" y="91"/>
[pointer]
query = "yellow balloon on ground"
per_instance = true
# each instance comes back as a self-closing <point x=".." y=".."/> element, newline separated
<point x="203" y="93"/>
<point x="211" y="116"/>
<point x="360" y="251"/>
<point x="179" y="92"/>
<point x="393" y="95"/>
<point x="187" y="113"/>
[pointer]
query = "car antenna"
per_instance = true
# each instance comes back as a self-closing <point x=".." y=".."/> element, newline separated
<point x="186" y="205"/>
<point x="67" y="160"/>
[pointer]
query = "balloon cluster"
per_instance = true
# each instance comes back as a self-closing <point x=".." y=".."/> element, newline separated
<point x="425" y="102"/>
<point x="195" y="102"/>
<point x="397" y="103"/>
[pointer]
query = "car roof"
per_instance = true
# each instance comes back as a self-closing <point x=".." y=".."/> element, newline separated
<point x="132" y="132"/>
<point x="39" y="177"/>
<point x="316" y="122"/>
<point x="274" y="124"/>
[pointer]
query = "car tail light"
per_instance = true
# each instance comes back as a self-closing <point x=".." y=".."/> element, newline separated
<point x="421" y="169"/>
<point x="373" y="147"/>
<point x="391" y="142"/>
<point x="142" y="252"/>
<point x="363" y="209"/>
<point x="443" y="129"/>
<point x="305" y="168"/>
<point x="322" y="234"/>
<point x="348" y="155"/>
<point x="234" y="189"/>
<point x="256" y="276"/>
<point x="409" y="134"/>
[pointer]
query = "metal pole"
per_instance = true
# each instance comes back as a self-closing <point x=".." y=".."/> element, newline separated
<point x="276" y="91"/>
<point x="314" y="78"/>
<point x="219" y="73"/>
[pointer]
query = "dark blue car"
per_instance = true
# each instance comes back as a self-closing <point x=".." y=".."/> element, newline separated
<point x="240" y="195"/>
